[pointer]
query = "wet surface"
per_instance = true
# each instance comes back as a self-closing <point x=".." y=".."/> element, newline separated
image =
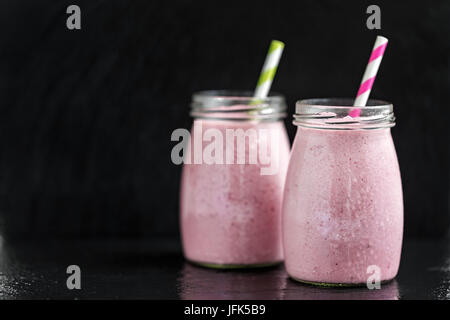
<point x="156" y="270"/>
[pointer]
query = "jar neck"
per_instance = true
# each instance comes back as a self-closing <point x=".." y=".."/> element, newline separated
<point x="339" y="114"/>
<point x="238" y="106"/>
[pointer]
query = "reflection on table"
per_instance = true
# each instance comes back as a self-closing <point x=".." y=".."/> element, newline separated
<point x="197" y="283"/>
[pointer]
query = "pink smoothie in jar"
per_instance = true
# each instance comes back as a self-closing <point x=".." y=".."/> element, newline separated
<point x="230" y="213"/>
<point x="343" y="207"/>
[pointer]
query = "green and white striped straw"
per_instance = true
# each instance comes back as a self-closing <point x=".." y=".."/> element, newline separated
<point x="269" y="69"/>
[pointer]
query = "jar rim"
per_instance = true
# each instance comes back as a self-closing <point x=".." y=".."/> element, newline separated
<point x="336" y="113"/>
<point x="341" y="103"/>
<point x="234" y="95"/>
<point x="237" y="105"/>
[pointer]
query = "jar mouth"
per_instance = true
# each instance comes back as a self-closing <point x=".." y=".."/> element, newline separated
<point x="237" y="105"/>
<point x="339" y="113"/>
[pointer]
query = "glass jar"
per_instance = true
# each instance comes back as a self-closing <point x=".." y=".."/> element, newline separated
<point x="343" y="207"/>
<point x="230" y="212"/>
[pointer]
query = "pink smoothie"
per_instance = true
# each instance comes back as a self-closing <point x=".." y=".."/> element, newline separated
<point x="230" y="213"/>
<point x="343" y="208"/>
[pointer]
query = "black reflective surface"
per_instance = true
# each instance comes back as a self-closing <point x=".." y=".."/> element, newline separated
<point x="113" y="269"/>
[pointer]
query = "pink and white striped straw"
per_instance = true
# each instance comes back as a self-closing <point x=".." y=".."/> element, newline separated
<point x="369" y="75"/>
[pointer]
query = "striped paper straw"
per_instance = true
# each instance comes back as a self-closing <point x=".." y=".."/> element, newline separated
<point x="269" y="69"/>
<point x="369" y="75"/>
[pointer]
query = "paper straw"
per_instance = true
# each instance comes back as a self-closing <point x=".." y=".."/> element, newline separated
<point x="269" y="69"/>
<point x="369" y="75"/>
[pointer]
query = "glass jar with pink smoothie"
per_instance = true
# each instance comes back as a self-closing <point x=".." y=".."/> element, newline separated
<point x="343" y="207"/>
<point x="232" y="180"/>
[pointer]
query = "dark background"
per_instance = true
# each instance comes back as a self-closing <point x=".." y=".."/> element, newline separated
<point x="86" y="116"/>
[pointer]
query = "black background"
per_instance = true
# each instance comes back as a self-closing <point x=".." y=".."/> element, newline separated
<point x="86" y="116"/>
